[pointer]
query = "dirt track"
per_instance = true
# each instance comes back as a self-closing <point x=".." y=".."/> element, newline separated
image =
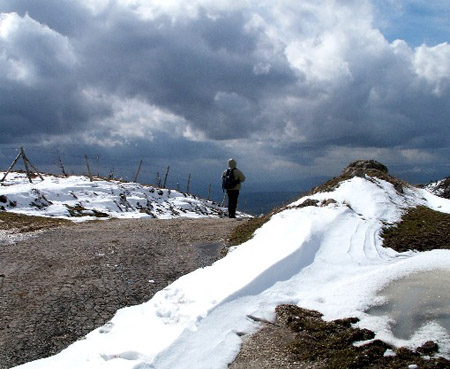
<point x="59" y="286"/>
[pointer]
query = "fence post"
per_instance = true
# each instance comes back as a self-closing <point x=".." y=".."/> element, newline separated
<point x="97" y="158"/>
<point x="30" y="164"/>
<point x="165" y="177"/>
<point x="188" y="183"/>
<point x="158" y="180"/>
<point x="209" y="191"/>
<point x="88" y="167"/>
<point x="27" y="169"/>
<point x="61" y="166"/>
<point x="12" y="165"/>
<point x="137" y="173"/>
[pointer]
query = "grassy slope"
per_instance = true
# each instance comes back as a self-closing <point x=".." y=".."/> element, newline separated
<point x="421" y="229"/>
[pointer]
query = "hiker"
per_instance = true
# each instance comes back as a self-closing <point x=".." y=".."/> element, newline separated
<point x="231" y="182"/>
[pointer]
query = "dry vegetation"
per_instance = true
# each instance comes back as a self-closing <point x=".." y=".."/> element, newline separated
<point x="25" y="223"/>
<point x="421" y="229"/>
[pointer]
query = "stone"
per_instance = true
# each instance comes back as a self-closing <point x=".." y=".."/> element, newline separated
<point x="360" y="167"/>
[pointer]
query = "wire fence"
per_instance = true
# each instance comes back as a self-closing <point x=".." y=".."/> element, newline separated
<point x="149" y="172"/>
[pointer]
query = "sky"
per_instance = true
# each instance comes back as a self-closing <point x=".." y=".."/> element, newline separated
<point x="327" y="258"/>
<point x="294" y="91"/>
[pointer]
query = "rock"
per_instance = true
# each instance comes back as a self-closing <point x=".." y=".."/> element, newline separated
<point x="360" y="167"/>
<point x="428" y="348"/>
<point x="3" y="198"/>
<point x="308" y="202"/>
<point x="440" y="188"/>
<point x="328" y="202"/>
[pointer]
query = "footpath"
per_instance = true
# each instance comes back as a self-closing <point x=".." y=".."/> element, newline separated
<point x="64" y="282"/>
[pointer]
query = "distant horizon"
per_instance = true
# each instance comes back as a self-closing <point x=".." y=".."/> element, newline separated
<point x="255" y="198"/>
<point x="178" y="180"/>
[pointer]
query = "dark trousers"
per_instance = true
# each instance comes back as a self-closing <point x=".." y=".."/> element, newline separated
<point x="232" y="202"/>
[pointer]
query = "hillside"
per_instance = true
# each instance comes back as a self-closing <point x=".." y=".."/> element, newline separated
<point x="78" y="198"/>
<point x="319" y="259"/>
<point x="300" y="338"/>
<point x="440" y="188"/>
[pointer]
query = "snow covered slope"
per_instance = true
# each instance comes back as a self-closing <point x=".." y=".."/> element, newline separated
<point x="440" y="188"/>
<point x="77" y="198"/>
<point x="327" y="257"/>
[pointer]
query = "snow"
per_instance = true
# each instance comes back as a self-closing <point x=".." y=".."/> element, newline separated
<point x="327" y="258"/>
<point x="63" y="196"/>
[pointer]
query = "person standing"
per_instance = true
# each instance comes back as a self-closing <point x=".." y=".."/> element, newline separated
<point x="231" y="182"/>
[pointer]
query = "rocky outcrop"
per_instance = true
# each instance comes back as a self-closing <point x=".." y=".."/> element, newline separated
<point x="361" y="168"/>
<point x="440" y="188"/>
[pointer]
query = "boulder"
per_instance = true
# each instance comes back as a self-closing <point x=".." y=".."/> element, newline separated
<point x="360" y="167"/>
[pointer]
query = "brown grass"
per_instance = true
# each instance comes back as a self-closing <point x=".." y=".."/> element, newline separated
<point x="27" y="223"/>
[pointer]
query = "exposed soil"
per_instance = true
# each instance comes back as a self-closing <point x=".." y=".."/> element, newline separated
<point x="61" y="284"/>
<point x="301" y="339"/>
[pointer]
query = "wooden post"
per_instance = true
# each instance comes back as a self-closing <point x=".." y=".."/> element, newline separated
<point x="27" y="165"/>
<point x="209" y="191"/>
<point x="12" y="166"/>
<point x="97" y="158"/>
<point x="137" y="173"/>
<point x="61" y="165"/>
<point x="88" y="167"/>
<point x="24" y="159"/>
<point x="165" y="177"/>
<point x="158" y="180"/>
<point x="189" y="183"/>
<point x="32" y="166"/>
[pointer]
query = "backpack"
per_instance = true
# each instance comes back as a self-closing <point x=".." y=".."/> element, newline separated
<point x="228" y="180"/>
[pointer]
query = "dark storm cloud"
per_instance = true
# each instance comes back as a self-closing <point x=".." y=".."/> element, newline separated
<point x="202" y="70"/>
<point x="300" y="80"/>
<point x="39" y="90"/>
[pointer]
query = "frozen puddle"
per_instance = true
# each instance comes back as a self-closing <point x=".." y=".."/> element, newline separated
<point x="415" y="301"/>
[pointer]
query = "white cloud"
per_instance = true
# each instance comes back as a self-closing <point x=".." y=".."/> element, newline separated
<point x="131" y="118"/>
<point x="433" y="63"/>
<point x="31" y="51"/>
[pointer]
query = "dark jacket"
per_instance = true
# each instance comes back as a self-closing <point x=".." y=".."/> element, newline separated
<point x="237" y="174"/>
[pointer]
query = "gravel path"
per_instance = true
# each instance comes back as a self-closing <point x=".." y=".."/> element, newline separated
<point x="58" y="286"/>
